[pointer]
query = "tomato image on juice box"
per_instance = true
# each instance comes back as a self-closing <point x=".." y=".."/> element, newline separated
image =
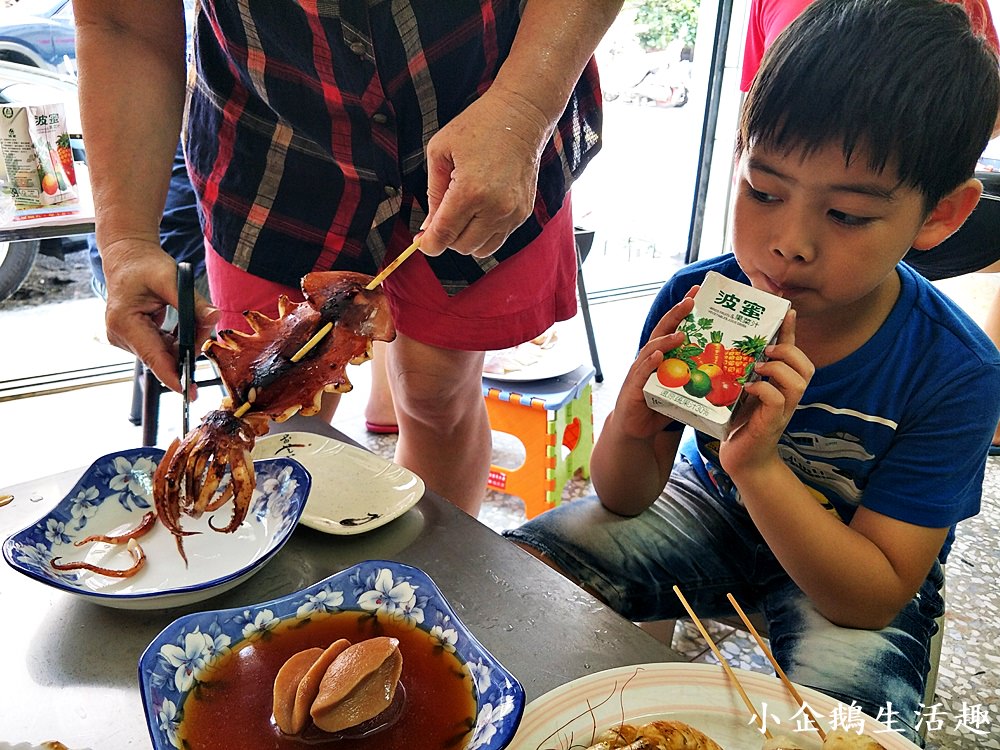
<point x="700" y="383"/>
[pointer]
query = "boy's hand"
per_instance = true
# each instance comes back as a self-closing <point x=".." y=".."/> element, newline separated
<point x="784" y="377"/>
<point x="634" y="419"/>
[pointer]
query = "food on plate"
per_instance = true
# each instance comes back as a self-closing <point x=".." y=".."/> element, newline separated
<point x="781" y="742"/>
<point x="841" y="739"/>
<point x="247" y="697"/>
<point x="147" y="522"/>
<point x="656" y="735"/>
<point x="520" y="357"/>
<point x="283" y="367"/>
<point x="134" y="550"/>
<point x="339" y="687"/>
<point x="126" y="537"/>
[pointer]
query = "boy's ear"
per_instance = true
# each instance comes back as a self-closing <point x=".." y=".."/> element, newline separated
<point x="949" y="214"/>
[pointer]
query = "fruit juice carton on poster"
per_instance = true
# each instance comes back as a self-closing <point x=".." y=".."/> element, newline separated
<point x="700" y="383"/>
<point x="36" y="151"/>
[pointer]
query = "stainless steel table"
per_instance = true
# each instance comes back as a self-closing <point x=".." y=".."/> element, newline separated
<point x="61" y="679"/>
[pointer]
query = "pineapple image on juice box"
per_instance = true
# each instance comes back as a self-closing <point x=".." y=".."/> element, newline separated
<point x="700" y="383"/>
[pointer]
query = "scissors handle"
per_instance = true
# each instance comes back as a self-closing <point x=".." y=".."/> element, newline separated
<point x="185" y="336"/>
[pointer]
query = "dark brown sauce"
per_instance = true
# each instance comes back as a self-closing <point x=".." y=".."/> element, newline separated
<point x="232" y="707"/>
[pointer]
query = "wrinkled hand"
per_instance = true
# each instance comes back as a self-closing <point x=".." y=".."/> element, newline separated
<point x="482" y="174"/>
<point x="634" y="419"/>
<point x="784" y="377"/>
<point x="142" y="282"/>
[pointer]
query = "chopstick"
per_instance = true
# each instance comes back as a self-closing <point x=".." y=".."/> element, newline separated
<point x="394" y="265"/>
<point x="777" y="668"/>
<point x="322" y="332"/>
<point x="725" y="665"/>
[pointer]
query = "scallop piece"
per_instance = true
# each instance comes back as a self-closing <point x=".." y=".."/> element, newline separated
<point x="359" y="685"/>
<point x="286" y="683"/>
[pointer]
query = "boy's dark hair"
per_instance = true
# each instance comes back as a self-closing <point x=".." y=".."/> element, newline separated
<point x="907" y="80"/>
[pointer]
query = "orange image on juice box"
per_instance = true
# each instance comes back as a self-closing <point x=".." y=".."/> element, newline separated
<point x="700" y="383"/>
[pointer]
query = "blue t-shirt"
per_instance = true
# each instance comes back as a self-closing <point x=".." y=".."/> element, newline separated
<point x="901" y="426"/>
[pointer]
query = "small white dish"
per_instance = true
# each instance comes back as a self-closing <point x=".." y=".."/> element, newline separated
<point x="558" y="354"/>
<point x="353" y="490"/>
<point x="114" y="494"/>
<point x="701" y="695"/>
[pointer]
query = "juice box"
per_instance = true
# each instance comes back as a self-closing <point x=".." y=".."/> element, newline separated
<point x="34" y="142"/>
<point x="700" y="383"/>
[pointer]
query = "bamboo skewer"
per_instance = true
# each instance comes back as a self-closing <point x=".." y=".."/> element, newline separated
<point x="322" y="332"/>
<point x="394" y="265"/>
<point x="725" y="665"/>
<point x="778" y="670"/>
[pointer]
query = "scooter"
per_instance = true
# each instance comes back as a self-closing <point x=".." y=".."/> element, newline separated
<point x="660" y="87"/>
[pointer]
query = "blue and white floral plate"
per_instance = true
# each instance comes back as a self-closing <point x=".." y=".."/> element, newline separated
<point x="173" y="665"/>
<point x="114" y="494"/>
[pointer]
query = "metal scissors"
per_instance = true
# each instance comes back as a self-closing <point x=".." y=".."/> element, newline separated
<point x="185" y="336"/>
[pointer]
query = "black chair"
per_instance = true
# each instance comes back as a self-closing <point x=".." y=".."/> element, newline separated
<point x="146" y="392"/>
<point x="584" y="241"/>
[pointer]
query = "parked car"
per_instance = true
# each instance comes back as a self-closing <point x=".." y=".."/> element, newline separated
<point x="39" y="33"/>
<point x="22" y="84"/>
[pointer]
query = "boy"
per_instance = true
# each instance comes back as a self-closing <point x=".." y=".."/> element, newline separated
<point x="857" y="141"/>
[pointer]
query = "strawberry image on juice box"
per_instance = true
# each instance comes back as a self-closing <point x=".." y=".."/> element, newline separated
<point x="700" y="383"/>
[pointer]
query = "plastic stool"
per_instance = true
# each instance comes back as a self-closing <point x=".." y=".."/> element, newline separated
<point x="546" y="416"/>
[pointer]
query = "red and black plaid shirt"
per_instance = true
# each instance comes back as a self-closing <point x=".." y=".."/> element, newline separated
<point x="305" y="153"/>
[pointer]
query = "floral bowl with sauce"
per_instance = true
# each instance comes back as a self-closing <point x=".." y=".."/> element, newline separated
<point x="115" y="497"/>
<point x="207" y="679"/>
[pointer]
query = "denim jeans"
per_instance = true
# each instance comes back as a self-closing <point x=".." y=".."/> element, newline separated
<point x="708" y="548"/>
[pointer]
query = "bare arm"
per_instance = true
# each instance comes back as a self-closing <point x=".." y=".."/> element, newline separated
<point x="131" y="127"/>
<point x="858" y="575"/>
<point x="633" y="457"/>
<point x="483" y="165"/>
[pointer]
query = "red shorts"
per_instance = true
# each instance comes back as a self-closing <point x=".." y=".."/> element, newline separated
<point x="514" y="302"/>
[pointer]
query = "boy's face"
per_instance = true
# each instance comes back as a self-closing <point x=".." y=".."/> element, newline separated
<point x="825" y="235"/>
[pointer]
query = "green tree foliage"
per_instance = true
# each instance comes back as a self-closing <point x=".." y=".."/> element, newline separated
<point x="659" y="22"/>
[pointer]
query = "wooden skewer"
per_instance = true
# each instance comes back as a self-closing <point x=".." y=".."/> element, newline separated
<point x="322" y="332"/>
<point x="778" y="670"/>
<point x="394" y="265"/>
<point x="725" y="665"/>
<point x="317" y="337"/>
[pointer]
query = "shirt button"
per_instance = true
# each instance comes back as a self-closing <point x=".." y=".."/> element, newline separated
<point x="379" y="118"/>
<point x="358" y="49"/>
<point x="391" y="191"/>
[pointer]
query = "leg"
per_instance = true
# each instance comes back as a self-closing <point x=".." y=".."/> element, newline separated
<point x="687" y="538"/>
<point x="444" y="433"/>
<point x="881" y="671"/>
<point x="380" y="414"/>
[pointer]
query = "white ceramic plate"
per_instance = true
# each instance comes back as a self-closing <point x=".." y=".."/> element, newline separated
<point x="114" y="494"/>
<point x="698" y="694"/>
<point x="529" y="361"/>
<point x="353" y="490"/>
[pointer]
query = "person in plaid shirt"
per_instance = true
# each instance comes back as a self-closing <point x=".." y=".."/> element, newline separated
<point x="326" y="136"/>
